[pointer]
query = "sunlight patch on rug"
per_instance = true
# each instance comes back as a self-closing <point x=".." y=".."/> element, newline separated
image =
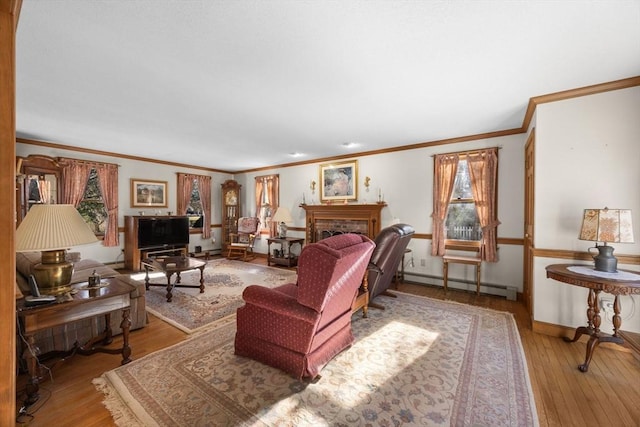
<point x="420" y="362"/>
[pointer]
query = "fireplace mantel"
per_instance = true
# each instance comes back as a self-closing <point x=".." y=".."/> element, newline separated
<point x="361" y="218"/>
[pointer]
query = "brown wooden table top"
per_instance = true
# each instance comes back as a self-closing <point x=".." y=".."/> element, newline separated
<point x="173" y="263"/>
<point x="561" y="273"/>
<point x="113" y="294"/>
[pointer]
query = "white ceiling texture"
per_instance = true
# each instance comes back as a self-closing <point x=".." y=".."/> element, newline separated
<point x="243" y="84"/>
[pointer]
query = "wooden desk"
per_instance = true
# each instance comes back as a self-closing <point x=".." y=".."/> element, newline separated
<point x="595" y="284"/>
<point x="170" y="266"/>
<point x="446" y="259"/>
<point x="284" y="257"/>
<point x="87" y="302"/>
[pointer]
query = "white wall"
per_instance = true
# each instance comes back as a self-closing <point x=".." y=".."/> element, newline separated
<point x="404" y="177"/>
<point x="406" y="181"/>
<point x="140" y="170"/>
<point x="587" y="156"/>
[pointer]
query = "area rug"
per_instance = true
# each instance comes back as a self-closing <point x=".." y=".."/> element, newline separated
<point x="224" y="281"/>
<point x="420" y="362"/>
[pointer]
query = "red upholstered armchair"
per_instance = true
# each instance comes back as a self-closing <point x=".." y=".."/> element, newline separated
<point x="299" y="327"/>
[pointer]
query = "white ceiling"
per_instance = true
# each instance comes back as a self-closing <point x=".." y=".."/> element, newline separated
<point x="236" y="85"/>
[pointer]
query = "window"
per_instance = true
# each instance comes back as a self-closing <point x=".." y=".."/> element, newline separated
<point x="267" y="201"/>
<point x="194" y="209"/>
<point x="462" y="222"/>
<point x="92" y="206"/>
<point x="194" y="200"/>
<point x="465" y="192"/>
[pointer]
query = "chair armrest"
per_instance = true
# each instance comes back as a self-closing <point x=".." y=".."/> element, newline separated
<point x="277" y="302"/>
<point x="374" y="268"/>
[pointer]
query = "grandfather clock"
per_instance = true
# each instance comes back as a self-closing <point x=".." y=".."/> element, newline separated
<point x="230" y="210"/>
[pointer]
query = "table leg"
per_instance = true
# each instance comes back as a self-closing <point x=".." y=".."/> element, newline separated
<point x="592" y="329"/>
<point x="125" y="325"/>
<point x="108" y="334"/>
<point x="202" y="279"/>
<point x="169" y="294"/>
<point x="146" y="277"/>
<point x="445" y="268"/>
<point x="31" y="356"/>
<point x="617" y="320"/>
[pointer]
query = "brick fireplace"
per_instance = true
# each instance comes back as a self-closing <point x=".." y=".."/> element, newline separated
<point x="326" y="220"/>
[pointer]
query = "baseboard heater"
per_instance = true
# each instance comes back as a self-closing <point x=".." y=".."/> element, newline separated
<point x="510" y="292"/>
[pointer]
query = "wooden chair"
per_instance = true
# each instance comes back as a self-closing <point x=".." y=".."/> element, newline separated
<point x="446" y="259"/>
<point x="241" y="242"/>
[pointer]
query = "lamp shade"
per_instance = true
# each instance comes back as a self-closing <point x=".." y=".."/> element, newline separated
<point x="282" y="215"/>
<point x="607" y="225"/>
<point x="49" y="227"/>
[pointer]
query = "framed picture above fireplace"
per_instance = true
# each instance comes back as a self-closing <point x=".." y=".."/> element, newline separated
<point x="339" y="181"/>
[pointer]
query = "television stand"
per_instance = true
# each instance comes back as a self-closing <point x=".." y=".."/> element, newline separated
<point x="135" y="251"/>
<point x="174" y="250"/>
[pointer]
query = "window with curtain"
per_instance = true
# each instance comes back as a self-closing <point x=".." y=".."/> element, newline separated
<point x="267" y="201"/>
<point x="92" y="206"/>
<point x="194" y="200"/>
<point x="92" y="187"/>
<point x="465" y="201"/>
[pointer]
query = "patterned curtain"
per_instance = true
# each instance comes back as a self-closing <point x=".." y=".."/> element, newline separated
<point x="108" y="179"/>
<point x="445" y="169"/>
<point x="75" y="174"/>
<point x="483" y="169"/>
<point x="184" y="189"/>
<point x="204" y="188"/>
<point x="268" y="188"/>
<point x="258" y="195"/>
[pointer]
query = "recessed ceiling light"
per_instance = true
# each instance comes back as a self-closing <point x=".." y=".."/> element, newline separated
<point x="296" y="154"/>
<point x="350" y="144"/>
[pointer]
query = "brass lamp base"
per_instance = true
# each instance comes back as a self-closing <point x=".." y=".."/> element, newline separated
<point x="53" y="274"/>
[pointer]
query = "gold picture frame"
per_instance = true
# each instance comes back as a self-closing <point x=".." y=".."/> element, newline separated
<point x="146" y="193"/>
<point x="339" y="181"/>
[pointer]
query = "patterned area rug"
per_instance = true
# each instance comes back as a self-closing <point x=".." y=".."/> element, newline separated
<point x="420" y="362"/>
<point x="224" y="281"/>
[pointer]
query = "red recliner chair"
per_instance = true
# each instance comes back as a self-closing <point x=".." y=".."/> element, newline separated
<point x="299" y="327"/>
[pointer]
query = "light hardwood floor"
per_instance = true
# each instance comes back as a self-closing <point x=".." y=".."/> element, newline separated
<point x="608" y="395"/>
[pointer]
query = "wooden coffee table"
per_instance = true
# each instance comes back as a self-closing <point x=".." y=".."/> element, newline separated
<point x="173" y="265"/>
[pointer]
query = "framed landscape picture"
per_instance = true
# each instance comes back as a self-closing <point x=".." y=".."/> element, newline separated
<point x="339" y="181"/>
<point x="148" y="194"/>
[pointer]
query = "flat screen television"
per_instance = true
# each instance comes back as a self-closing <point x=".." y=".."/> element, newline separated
<point x="158" y="231"/>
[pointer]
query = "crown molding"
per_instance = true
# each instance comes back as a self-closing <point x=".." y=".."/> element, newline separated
<point x="575" y="93"/>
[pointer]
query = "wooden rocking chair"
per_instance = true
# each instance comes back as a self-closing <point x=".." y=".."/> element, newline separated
<point x="241" y="242"/>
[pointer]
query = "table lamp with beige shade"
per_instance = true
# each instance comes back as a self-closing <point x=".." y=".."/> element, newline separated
<point x="607" y="226"/>
<point x="52" y="229"/>
<point x="282" y="218"/>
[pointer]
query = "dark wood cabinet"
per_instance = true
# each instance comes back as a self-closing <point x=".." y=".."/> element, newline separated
<point x="230" y="211"/>
<point x="283" y="254"/>
<point x="134" y="251"/>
